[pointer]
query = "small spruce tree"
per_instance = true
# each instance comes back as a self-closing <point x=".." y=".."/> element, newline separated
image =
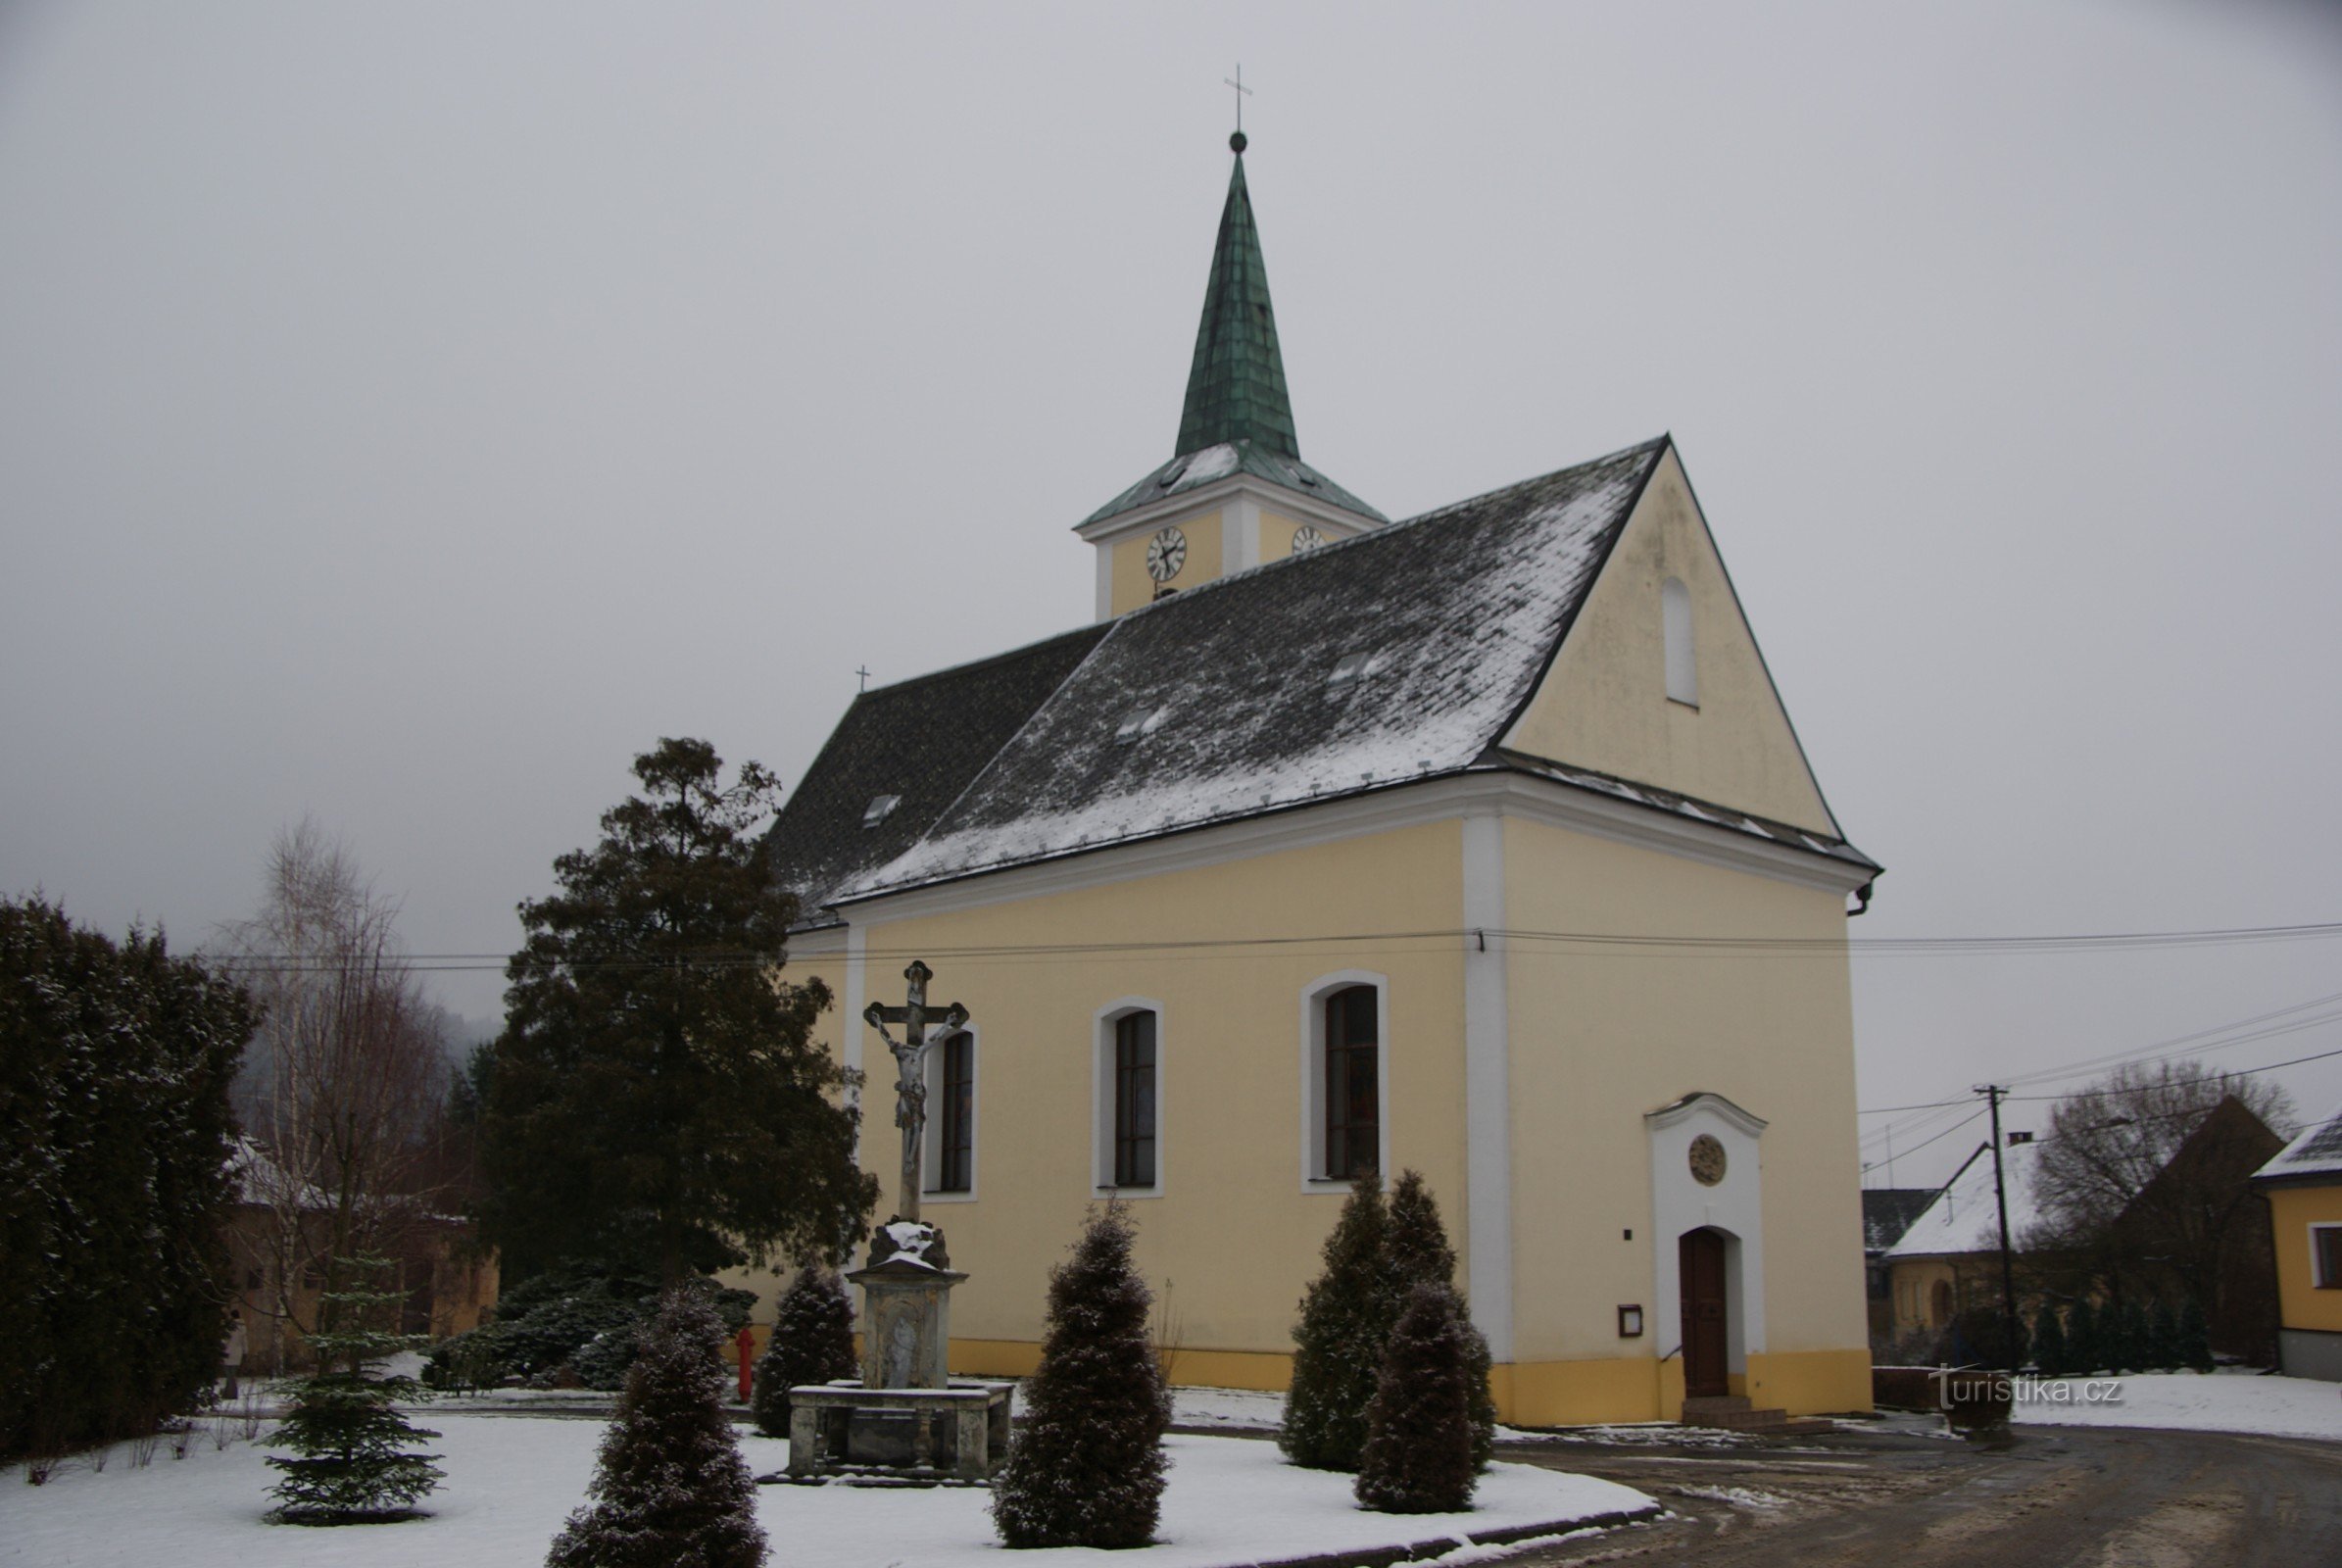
<point x="2163" y="1338"/>
<point x="2085" y="1343"/>
<point x="1419" y="1427"/>
<point x="2195" y="1340"/>
<point x="1416" y="1244"/>
<point x="1084" y="1467"/>
<point x="812" y="1341"/>
<point x="2049" y="1342"/>
<point x="1344" y="1325"/>
<point x="669" y="1486"/>
<point x="2130" y="1338"/>
<point x="354" y="1463"/>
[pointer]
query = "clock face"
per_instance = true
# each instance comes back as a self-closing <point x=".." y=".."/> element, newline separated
<point x="1707" y="1161"/>
<point x="1166" y="553"/>
<point x="1307" y="537"/>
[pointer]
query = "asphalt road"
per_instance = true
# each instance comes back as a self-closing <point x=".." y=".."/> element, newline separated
<point x="2052" y="1497"/>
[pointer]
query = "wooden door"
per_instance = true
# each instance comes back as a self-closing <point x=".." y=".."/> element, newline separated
<point x="1699" y="1258"/>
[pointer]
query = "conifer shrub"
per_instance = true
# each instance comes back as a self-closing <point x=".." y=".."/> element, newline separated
<point x="115" y="1193"/>
<point x="574" y="1323"/>
<point x="2085" y="1343"/>
<point x="1346" y="1320"/>
<point x="1085" y="1466"/>
<point x="2194" y="1339"/>
<point x="2049" y="1342"/>
<point x="354" y="1463"/>
<point x="1419" y="1454"/>
<point x="2126" y="1341"/>
<point x="812" y="1341"/>
<point x="2163" y="1338"/>
<point x="669" y="1486"/>
<point x="1418" y="1253"/>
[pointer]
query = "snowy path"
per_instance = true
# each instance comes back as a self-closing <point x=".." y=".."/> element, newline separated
<point x="513" y="1479"/>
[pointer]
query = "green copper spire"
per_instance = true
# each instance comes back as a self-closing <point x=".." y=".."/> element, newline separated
<point x="1236" y="387"/>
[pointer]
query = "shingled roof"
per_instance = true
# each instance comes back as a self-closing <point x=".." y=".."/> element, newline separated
<point x="1378" y="662"/>
<point x="888" y="745"/>
<point x="2315" y="1156"/>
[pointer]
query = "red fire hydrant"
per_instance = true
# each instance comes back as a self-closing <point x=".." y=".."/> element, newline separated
<point x="748" y="1359"/>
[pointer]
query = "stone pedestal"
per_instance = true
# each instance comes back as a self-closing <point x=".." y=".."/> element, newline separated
<point x="906" y="1323"/>
<point x="906" y="1419"/>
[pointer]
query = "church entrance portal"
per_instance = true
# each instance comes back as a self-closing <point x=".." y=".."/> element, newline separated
<point x="1700" y="1267"/>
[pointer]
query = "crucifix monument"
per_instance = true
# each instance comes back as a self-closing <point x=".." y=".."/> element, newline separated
<point x="910" y="1073"/>
<point x="905" y="1416"/>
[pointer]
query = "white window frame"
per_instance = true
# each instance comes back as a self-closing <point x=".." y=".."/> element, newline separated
<point x="1101" y="1095"/>
<point x="1682" y="647"/>
<point x="1313" y="1076"/>
<point x="931" y="1159"/>
<point x="2317" y="1279"/>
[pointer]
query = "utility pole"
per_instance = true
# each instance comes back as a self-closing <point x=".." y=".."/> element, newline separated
<point x="2008" y="1269"/>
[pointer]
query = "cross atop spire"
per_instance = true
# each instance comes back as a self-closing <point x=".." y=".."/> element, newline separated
<point x="1235" y="386"/>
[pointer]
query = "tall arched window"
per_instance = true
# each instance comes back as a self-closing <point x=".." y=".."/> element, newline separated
<point x="1352" y="1100"/>
<point x="956" y="1165"/>
<point x="1674" y="618"/>
<point x="1134" y="1100"/>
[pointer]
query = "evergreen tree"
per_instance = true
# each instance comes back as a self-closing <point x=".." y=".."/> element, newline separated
<point x="669" y="1486"/>
<point x="1418" y="1254"/>
<point x="657" y="1095"/>
<point x="1419" y="1427"/>
<point x="2194" y="1342"/>
<point x="115" y="1193"/>
<point x="2085" y="1343"/>
<point x="812" y="1341"/>
<point x="355" y="1465"/>
<point x="2163" y="1338"/>
<point x="1086" y="1465"/>
<point x="1345" y="1322"/>
<point x="2049" y="1342"/>
<point x="2126" y="1339"/>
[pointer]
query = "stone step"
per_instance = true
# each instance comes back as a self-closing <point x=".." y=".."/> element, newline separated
<point x="1714" y="1404"/>
<point x="1735" y="1415"/>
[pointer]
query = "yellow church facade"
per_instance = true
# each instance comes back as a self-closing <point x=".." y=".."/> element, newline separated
<point x="1337" y="846"/>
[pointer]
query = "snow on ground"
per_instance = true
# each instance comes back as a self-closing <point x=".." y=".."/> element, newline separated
<point x="2190" y="1401"/>
<point x="511" y="1479"/>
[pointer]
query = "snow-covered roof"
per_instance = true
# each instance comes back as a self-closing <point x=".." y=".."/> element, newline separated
<point x="265" y="1184"/>
<point x="1965" y="1218"/>
<point x="1034" y="756"/>
<point x="2317" y="1151"/>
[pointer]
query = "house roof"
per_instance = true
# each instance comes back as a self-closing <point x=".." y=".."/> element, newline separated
<point x="1887" y="1212"/>
<point x="1230" y="701"/>
<point x="2316" y="1151"/>
<point x="1964" y="1216"/>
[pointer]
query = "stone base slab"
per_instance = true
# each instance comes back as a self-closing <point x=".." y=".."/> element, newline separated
<point x="846" y="1429"/>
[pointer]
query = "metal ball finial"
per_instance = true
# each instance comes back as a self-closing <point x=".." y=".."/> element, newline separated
<point x="1235" y="144"/>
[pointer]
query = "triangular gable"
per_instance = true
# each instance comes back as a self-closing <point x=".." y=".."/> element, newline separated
<point x="1603" y="704"/>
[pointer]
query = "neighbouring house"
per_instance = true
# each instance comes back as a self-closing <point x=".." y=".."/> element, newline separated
<point x="2191" y="1232"/>
<point x="1340" y="845"/>
<point x="277" y="1239"/>
<point x="1886" y="1213"/>
<point x="2303" y="1186"/>
<point x="1948" y="1261"/>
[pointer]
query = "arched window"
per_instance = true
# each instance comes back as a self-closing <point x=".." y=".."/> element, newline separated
<point x="950" y="1141"/>
<point x="1674" y="618"/>
<point x="1128" y="1145"/>
<point x="1352" y="1094"/>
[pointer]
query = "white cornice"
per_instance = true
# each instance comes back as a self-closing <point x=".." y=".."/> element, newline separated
<point x="1709" y="1101"/>
<point x="1508" y="794"/>
<point x="1172" y="509"/>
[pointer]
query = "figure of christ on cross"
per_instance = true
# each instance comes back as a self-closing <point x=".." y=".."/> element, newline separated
<point x="911" y="1071"/>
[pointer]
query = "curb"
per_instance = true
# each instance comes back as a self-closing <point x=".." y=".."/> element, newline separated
<point x="1439" y="1545"/>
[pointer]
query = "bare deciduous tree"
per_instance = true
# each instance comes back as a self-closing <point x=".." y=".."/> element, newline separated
<point x="2141" y="1185"/>
<point x="345" y="1088"/>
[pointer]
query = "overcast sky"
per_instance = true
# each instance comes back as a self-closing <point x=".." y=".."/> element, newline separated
<point x="408" y="414"/>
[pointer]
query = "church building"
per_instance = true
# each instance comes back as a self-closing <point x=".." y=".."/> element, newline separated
<point x="1337" y="845"/>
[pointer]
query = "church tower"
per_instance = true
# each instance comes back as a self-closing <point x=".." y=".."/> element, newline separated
<point x="1236" y="493"/>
